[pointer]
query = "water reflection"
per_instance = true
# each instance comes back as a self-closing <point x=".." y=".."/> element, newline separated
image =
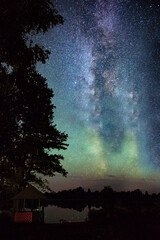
<point x="53" y="214"/>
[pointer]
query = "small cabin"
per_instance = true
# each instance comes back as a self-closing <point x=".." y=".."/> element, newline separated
<point x="28" y="205"/>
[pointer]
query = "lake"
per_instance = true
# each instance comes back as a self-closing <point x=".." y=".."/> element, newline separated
<point x="53" y="214"/>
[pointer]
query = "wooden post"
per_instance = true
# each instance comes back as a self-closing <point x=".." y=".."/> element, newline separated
<point x="23" y="203"/>
<point x="32" y="205"/>
<point x="42" y="214"/>
<point x="39" y="204"/>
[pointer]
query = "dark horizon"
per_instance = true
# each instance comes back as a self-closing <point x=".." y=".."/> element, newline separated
<point x="152" y="185"/>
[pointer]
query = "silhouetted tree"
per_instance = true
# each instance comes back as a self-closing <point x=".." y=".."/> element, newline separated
<point x="107" y="192"/>
<point x="108" y="200"/>
<point x="27" y="131"/>
<point x="89" y="193"/>
<point x="146" y="195"/>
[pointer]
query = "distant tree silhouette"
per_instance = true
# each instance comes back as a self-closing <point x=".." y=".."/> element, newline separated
<point x="89" y="193"/>
<point x="107" y="192"/>
<point x="108" y="200"/>
<point x="27" y="130"/>
<point x="146" y="195"/>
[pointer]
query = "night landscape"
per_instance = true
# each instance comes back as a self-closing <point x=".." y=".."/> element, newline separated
<point x="80" y="119"/>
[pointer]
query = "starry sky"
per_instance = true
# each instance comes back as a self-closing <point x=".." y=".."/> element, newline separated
<point x="104" y="70"/>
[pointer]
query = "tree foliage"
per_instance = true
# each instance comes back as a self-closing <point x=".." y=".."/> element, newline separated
<point x="27" y="131"/>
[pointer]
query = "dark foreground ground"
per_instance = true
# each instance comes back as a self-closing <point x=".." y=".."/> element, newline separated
<point x="115" y="229"/>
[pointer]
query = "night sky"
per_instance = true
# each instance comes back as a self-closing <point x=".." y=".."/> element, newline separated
<point x="105" y="73"/>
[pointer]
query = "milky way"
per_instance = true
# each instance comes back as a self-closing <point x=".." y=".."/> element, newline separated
<point x="104" y="69"/>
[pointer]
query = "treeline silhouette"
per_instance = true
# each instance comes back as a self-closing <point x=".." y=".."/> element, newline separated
<point x="79" y="194"/>
<point x="107" y="198"/>
<point x="76" y="199"/>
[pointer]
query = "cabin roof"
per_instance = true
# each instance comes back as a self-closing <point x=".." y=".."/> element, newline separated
<point x="30" y="192"/>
